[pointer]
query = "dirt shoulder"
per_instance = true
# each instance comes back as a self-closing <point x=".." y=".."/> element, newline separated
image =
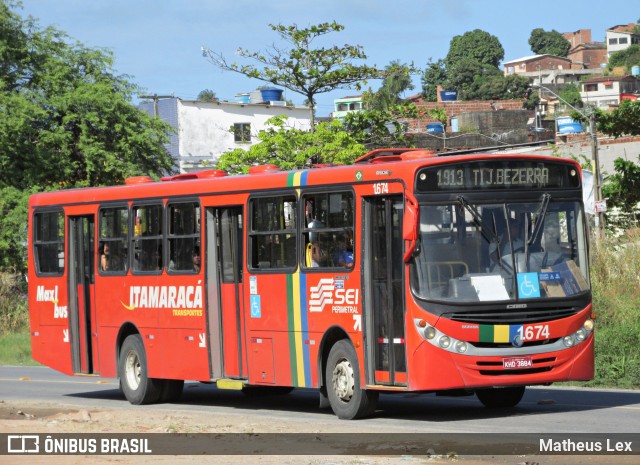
<point x="27" y="417"/>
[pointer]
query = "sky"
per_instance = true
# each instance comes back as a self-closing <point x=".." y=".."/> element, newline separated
<point x="158" y="43"/>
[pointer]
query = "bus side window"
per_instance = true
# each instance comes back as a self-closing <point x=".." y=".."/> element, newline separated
<point x="147" y="241"/>
<point x="113" y="250"/>
<point x="272" y="234"/>
<point x="184" y="237"/>
<point x="48" y="242"/>
<point x="328" y="230"/>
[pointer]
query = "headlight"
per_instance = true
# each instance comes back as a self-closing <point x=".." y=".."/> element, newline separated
<point x="444" y="341"/>
<point x="430" y="332"/>
<point x="569" y="341"/>
<point x="461" y="347"/>
<point x="581" y="334"/>
<point x="588" y="325"/>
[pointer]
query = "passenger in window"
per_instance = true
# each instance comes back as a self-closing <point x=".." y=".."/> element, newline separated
<point x="315" y="256"/>
<point x="105" y="256"/>
<point x="196" y="260"/>
<point x="345" y="256"/>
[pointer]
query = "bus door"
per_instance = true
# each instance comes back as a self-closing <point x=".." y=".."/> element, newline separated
<point x="81" y="292"/>
<point x="383" y="265"/>
<point x="225" y="315"/>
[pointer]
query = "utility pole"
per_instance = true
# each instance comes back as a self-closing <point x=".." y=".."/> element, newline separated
<point x="155" y="98"/>
<point x="597" y="186"/>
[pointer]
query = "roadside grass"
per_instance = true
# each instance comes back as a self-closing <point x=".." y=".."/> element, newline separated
<point x="615" y="277"/>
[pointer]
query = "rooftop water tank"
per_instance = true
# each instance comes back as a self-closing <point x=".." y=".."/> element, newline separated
<point x="448" y="95"/>
<point x="435" y="128"/>
<point x="566" y="125"/>
<point x="271" y="94"/>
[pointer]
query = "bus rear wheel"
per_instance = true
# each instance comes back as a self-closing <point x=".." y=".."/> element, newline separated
<point x="136" y="385"/>
<point x="500" y="397"/>
<point x="347" y="398"/>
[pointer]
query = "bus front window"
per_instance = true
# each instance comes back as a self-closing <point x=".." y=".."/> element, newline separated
<point x="498" y="252"/>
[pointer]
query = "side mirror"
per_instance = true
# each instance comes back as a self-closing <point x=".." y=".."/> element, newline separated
<point x="410" y="225"/>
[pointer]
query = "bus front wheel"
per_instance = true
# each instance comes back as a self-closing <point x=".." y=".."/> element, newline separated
<point x="136" y="385"/>
<point x="500" y="397"/>
<point x="347" y="398"/>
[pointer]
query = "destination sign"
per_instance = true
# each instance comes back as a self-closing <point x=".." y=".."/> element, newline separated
<point x="499" y="175"/>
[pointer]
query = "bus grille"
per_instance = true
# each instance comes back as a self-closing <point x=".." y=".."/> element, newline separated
<point x="512" y="316"/>
<point x="540" y="365"/>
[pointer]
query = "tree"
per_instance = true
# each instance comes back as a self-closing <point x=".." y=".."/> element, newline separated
<point x="433" y="76"/>
<point x="300" y="68"/>
<point x="623" y="120"/>
<point x="397" y="80"/>
<point x="477" y="45"/>
<point x="67" y="119"/>
<point x="570" y="93"/>
<point x="381" y="128"/>
<point x="207" y="95"/>
<point x="291" y="148"/>
<point x="626" y="58"/>
<point x="548" y="43"/>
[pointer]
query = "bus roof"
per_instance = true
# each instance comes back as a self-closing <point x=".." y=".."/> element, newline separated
<point x="378" y="165"/>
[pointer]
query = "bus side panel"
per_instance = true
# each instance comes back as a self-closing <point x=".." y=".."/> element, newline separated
<point x="48" y="308"/>
<point x="178" y="354"/>
<point x="232" y="334"/>
<point x="271" y="309"/>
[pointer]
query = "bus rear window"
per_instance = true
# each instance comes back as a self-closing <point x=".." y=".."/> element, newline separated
<point x="48" y="243"/>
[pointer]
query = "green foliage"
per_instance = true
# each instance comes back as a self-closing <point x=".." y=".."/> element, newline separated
<point x="14" y="314"/>
<point x="616" y="296"/>
<point x="622" y="189"/>
<point x="378" y="128"/>
<point x="471" y="68"/>
<point x="292" y="148"/>
<point x="627" y="58"/>
<point x="435" y="74"/>
<point x="207" y="95"/>
<point x="397" y="80"/>
<point x="549" y="43"/>
<point x="476" y="45"/>
<point x="570" y="93"/>
<point x="66" y="118"/>
<point x="623" y="120"/>
<point x="303" y="68"/>
<point x="14" y="207"/>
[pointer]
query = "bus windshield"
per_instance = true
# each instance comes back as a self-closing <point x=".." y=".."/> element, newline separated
<point x="501" y="251"/>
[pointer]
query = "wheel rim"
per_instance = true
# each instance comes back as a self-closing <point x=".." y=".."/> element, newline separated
<point x="343" y="380"/>
<point x="133" y="370"/>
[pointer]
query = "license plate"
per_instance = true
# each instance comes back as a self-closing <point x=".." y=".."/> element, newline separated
<point x="517" y="363"/>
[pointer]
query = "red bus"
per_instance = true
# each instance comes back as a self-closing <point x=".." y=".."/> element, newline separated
<point x="406" y="271"/>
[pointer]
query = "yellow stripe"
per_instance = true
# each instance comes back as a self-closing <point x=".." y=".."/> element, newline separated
<point x="297" y="325"/>
<point x="296" y="179"/>
<point x="501" y="333"/>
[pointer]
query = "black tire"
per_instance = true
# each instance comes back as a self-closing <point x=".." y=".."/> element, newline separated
<point x="500" y="397"/>
<point x="171" y="390"/>
<point x="342" y="379"/>
<point x="136" y="385"/>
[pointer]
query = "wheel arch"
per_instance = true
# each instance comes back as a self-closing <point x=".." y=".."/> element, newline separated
<point x="126" y="330"/>
<point x="330" y="337"/>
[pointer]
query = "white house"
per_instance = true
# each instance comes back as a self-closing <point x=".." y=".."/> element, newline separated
<point x="608" y="90"/>
<point x="205" y="130"/>
<point x="621" y="37"/>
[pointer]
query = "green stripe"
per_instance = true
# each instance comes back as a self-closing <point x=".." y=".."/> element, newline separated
<point x="486" y="333"/>
<point x="292" y="332"/>
<point x="290" y="179"/>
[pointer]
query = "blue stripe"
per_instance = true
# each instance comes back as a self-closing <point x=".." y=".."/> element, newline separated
<point x="303" y="178"/>
<point x="514" y="330"/>
<point x="304" y="324"/>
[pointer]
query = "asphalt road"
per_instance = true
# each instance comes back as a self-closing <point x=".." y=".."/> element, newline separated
<point x="543" y="409"/>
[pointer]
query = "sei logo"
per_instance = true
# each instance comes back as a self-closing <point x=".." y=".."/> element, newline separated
<point x="346" y="296"/>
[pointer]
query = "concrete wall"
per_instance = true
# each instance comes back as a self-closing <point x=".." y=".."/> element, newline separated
<point x="204" y="127"/>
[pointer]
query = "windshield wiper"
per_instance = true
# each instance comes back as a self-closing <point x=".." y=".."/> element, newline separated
<point x="538" y="220"/>
<point x="477" y="220"/>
